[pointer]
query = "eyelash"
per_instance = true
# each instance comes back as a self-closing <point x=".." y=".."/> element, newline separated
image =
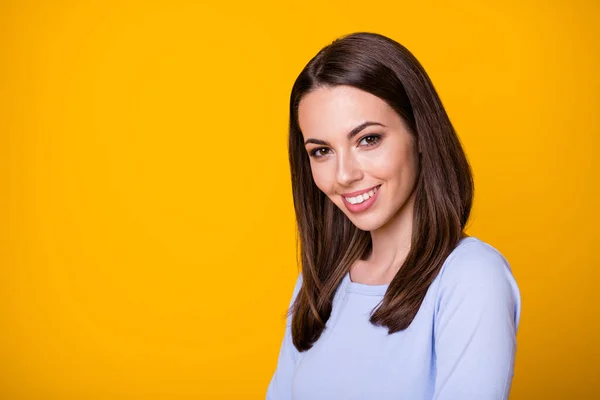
<point x="313" y="152"/>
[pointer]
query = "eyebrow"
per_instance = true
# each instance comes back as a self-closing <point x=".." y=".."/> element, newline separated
<point x="350" y="135"/>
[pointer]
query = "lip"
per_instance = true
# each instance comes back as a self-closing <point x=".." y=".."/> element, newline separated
<point x="362" y="206"/>
<point x="354" y="194"/>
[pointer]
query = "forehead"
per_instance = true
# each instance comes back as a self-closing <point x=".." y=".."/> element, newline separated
<point x="336" y="110"/>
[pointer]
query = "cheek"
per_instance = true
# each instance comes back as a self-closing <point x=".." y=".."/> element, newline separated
<point x="321" y="177"/>
<point x="384" y="164"/>
<point x="400" y="165"/>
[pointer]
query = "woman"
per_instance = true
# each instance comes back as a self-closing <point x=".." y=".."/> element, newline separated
<point x="394" y="301"/>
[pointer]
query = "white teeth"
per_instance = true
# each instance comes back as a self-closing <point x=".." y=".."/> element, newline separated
<point x="361" y="197"/>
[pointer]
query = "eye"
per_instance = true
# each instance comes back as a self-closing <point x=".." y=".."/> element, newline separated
<point x="316" y="153"/>
<point x="371" y="140"/>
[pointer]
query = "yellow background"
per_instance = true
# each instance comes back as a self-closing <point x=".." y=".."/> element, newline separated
<point x="147" y="241"/>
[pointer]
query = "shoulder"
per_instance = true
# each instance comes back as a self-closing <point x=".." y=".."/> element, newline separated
<point x="474" y="262"/>
<point x="476" y="273"/>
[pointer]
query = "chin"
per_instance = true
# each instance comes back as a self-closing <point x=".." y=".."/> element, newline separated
<point x="368" y="227"/>
<point x="365" y="222"/>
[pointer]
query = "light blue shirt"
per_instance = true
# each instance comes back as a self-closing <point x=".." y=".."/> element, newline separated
<point x="461" y="344"/>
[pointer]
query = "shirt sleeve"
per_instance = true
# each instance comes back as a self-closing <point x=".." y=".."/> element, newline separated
<point x="476" y="321"/>
<point x="280" y="387"/>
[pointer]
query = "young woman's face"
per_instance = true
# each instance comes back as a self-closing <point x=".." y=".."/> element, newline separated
<point x="362" y="156"/>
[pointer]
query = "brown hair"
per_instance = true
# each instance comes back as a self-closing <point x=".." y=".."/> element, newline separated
<point x="329" y="242"/>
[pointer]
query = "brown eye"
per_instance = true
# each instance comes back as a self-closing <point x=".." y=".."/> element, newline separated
<point x="371" y="140"/>
<point x="317" y="153"/>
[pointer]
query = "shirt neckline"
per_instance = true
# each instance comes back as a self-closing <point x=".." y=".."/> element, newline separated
<point x="363" y="288"/>
<point x="378" y="290"/>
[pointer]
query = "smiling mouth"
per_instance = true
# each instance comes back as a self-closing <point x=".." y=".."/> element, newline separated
<point x="362" y="197"/>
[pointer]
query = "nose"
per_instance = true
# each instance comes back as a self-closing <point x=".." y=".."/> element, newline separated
<point x="348" y="170"/>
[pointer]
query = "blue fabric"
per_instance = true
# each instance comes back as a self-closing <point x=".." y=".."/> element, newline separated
<point x="460" y="346"/>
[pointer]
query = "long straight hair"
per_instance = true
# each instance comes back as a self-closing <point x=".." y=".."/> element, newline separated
<point x="329" y="242"/>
